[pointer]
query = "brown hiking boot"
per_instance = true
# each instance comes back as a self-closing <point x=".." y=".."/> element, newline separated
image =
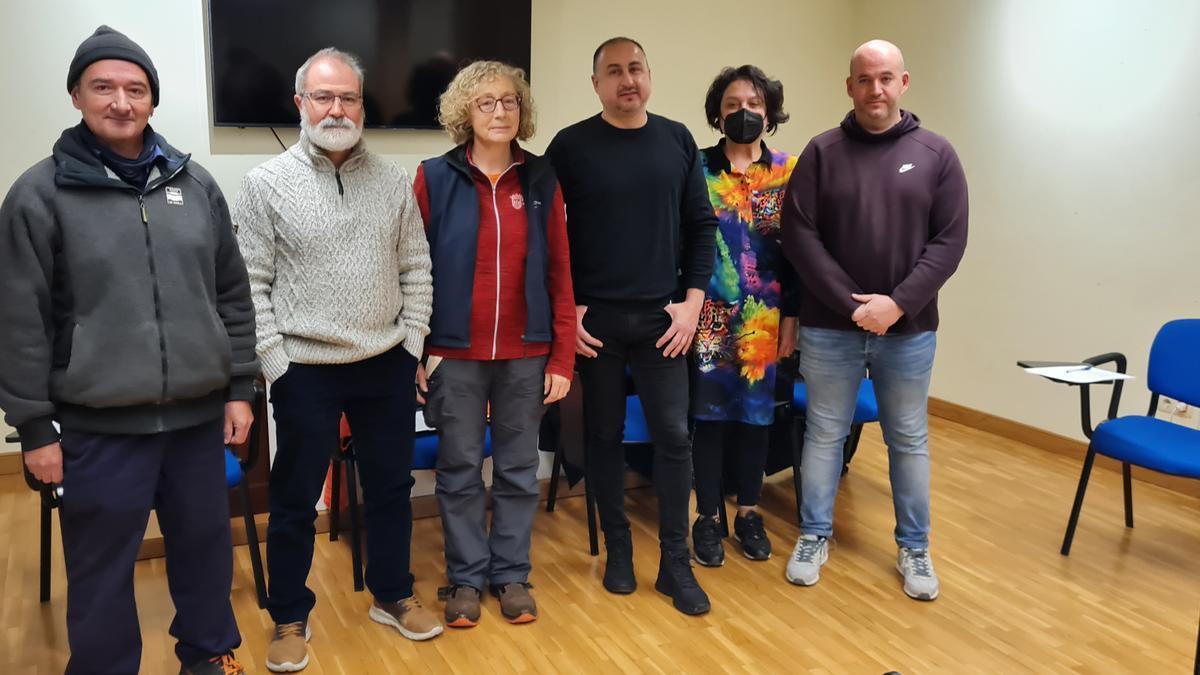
<point x="288" y="652"/>
<point x="516" y="604"/>
<point x="462" y="605"/>
<point x="407" y="616"/>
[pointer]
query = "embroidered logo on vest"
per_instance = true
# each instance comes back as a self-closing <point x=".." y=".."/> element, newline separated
<point x="518" y="200"/>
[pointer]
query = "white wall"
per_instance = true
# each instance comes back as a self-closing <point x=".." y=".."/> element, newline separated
<point x="1076" y="121"/>
<point x="1078" y="124"/>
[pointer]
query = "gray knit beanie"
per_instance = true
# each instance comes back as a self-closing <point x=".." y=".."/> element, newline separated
<point x="107" y="43"/>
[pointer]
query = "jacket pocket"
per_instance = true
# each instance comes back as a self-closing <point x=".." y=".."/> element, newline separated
<point x="199" y="355"/>
<point x="110" y="364"/>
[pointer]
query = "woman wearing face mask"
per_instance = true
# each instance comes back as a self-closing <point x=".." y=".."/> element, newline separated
<point x="503" y="331"/>
<point x="748" y="321"/>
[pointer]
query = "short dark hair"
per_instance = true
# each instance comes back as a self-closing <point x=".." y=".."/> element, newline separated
<point x="613" y="41"/>
<point x="770" y="90"/>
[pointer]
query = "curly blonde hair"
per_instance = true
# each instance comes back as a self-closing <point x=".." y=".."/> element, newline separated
<point x="454" y="106"/>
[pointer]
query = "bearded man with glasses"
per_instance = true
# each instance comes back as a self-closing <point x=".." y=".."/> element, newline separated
<point x="340" y="275"/>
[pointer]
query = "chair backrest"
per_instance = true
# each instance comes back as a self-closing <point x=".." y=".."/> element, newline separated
<point x="1175" y="361"/>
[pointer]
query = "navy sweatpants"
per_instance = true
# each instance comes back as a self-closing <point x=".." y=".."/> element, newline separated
<point x="110" y="483"/>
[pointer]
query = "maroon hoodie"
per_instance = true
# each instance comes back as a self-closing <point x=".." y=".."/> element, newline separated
<point x="875" y="213"/>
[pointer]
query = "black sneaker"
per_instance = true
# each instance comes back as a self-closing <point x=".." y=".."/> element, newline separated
<point x="706" y="542"/>
<point x="224" y="664"/>
<point x="618" y="566"/>
<point x="675" y="579"/>
<point x="748" y="531"/>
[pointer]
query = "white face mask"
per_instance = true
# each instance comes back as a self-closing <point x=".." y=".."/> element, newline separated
<point x="332" y="134"/>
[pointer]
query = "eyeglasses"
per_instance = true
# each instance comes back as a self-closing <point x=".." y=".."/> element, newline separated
<point x="488" y="104"/>
<point x="325" y="99"/>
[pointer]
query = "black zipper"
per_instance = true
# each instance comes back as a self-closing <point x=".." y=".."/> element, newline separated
<point x="337" y="175"/>
<point x="158" y="319"/>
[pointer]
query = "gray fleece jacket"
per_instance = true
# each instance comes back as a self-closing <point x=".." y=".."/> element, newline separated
<point x="124" y="311"/>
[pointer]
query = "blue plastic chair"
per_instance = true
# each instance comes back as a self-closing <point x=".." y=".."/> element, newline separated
<point x="1143" y="440"/>
<point x="866" y="410"/>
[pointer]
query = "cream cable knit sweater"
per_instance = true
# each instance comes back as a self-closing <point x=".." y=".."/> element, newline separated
<point x="338" y="262"/>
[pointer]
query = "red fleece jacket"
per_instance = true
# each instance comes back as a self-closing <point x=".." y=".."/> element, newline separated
<point x="498" y="311"/>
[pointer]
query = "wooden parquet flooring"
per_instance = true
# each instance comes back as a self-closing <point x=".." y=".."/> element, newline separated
<point x="1125" y="601"/>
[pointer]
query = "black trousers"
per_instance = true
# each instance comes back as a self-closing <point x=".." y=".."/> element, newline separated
<point x="110" y="483"/>
<point x="377" y="396"/>
<point x="662" y="385"/>
<point x="710" y="444"/>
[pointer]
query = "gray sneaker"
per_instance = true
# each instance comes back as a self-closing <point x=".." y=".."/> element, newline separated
<point x="920" y="583"/>
<point x="804" y="567"/>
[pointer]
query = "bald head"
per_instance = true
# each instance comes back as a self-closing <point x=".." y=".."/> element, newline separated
<point x="878" y="51"/>
<point x="876" y="83"/>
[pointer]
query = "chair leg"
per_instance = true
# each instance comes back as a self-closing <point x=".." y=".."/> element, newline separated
<point x="335" y="499"/>
<point x="851" y="447"/>
<point x="1074" y="520"/>
<point x="260" y="582"/>
<point x="593" y="535"/>
<point x="797" y="479"/>
<point x="555" y="472"/>
<point x="1126" y="469"/>
<point x="355" y="532"/>
<point x="45" y="553"/>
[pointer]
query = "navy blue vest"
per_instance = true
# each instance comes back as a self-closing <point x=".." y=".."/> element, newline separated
<point x="453" y="232"/>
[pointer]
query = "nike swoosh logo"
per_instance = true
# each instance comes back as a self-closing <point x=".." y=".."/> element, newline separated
<point x="907" y="167"/>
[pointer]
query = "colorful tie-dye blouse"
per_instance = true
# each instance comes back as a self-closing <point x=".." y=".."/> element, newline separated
<point x="753" y="284"/>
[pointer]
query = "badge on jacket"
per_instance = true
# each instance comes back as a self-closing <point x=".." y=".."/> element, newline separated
<point x="174" y="196"/>
<point x="518" y="200"/>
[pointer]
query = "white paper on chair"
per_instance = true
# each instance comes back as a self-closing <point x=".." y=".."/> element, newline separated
<point x="1078" y="374"/>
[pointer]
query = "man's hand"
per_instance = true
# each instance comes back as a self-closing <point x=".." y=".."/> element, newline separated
<point x="789" y="329"/>
<point x="45" y="463"/>
<point x="684" y="316"/>
<point x="238" y="418"/>
<point x="584" y="342"/>
<point x="556" y="387"/>
<point x="877" y="313"/>
<point x="422" y="383"/>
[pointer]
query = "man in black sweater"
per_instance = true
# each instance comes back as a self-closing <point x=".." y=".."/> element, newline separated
<point x="642" y="248"/>
<point x="875" y="222"/>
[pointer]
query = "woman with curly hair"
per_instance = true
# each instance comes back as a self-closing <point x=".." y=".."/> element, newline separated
<point x="501" y="335"/>
<point x="748" y="320"/>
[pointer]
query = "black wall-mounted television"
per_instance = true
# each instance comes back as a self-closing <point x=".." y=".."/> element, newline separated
<point x="410" y="49"/>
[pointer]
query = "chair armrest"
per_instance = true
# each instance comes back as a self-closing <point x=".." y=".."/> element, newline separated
<point x="1114" y="401"/>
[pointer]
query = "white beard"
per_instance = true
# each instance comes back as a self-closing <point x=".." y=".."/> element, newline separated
<point x="330" y="134"/>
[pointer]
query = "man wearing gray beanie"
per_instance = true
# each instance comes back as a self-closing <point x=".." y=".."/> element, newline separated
<point x="127" y="361"/>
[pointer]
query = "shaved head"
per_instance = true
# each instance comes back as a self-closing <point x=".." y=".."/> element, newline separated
<point x="876" y="83"/>
<point x="878" y="50"/>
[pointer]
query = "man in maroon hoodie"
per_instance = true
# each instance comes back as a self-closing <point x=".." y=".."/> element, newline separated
<point x="875" y="222"/>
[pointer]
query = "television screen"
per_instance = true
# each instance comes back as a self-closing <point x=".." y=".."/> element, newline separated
<point x="410" y="49"/>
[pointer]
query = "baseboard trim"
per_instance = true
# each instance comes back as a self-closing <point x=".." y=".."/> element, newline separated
<point x="10" y="463"/>
<point x="1050" y="441"/>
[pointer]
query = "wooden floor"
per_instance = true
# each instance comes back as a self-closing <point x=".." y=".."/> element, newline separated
<point x="1126" y="601"/>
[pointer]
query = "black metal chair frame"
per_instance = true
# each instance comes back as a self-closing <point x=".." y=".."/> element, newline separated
<point x="345" y="456"/>
<point x="51" y="501"/>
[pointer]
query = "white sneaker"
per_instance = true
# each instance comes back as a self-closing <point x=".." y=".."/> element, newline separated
<point x="804" y="567"/>
<point x="920" y="583"/>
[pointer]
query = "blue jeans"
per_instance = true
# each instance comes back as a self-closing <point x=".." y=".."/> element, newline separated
<point x="833" y="363"/>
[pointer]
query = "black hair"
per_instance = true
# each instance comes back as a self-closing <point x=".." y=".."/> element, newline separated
<point x="770" y="90"/>
<point x="612" y="41"/>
